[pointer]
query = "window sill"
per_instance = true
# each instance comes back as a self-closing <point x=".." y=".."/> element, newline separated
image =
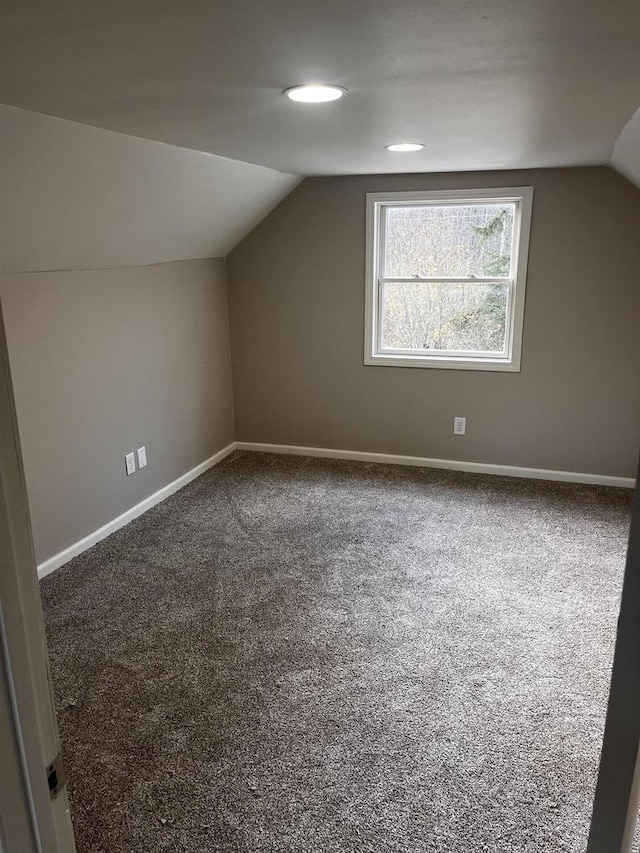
<point x="443" y="363"/>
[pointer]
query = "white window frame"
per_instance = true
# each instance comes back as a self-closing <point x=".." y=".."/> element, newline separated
<point x="522" y="198"/>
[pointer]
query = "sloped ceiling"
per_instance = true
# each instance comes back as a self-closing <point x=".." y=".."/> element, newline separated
<point x="484" y="84"/>
<point x="77" y="197"/>
<point x="626" y="152"/>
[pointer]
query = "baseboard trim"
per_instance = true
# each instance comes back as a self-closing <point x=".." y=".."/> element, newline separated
<point x="72" y="551"/>
<point x="77" y="548"/>
<point x="448" y="464"/>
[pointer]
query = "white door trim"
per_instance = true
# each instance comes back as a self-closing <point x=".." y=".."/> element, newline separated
<point x="26" y="676"/>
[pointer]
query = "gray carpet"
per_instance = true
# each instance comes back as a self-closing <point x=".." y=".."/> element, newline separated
<point x="297" y="655"/>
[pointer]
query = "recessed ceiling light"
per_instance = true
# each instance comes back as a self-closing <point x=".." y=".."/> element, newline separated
<point x="315" y="93"/>
<point x="405" y="146"/>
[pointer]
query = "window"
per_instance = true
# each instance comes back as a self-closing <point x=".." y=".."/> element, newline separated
<point x="446" y="278"/>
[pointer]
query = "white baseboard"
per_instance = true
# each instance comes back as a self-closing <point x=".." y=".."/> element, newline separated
<point x="449" y="464"/>
<point x="72" y="551"/>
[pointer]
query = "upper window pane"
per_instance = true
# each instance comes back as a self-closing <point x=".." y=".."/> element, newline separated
<point x="449" y="240"/>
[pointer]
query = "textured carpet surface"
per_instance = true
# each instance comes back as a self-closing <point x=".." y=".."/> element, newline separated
<point x="296" y="654"/>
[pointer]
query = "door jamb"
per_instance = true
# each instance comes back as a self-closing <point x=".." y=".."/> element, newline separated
<point x="22" y="637"/>
<point x="618" y="788"/>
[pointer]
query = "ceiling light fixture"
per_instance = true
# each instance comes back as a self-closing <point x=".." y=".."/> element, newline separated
<point x="315" y="93"/>
<point x="405" y="146"/>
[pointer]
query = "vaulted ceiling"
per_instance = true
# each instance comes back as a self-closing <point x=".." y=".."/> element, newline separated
<point x="484" y="84"/>
<point x="78" y="197"/>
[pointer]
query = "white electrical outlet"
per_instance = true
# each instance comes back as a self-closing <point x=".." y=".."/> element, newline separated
<point x="459" y="426"/>
<point x="130" y="463"/>
<point x="142" y="457"/>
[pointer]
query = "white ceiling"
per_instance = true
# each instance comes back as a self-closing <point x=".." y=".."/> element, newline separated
<point x="484" y="84"/>
<point x="77" y="197"/>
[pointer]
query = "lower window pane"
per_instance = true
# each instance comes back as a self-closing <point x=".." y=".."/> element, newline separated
<point x="456" y="317"/>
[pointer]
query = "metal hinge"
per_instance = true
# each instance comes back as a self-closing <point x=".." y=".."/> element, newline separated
<point x="55" y="777"/>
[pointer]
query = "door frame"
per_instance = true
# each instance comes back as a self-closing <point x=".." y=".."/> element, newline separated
<point x="633" y="814"/>
<point x="615" y="807"/>
<point x="29" y="733"/>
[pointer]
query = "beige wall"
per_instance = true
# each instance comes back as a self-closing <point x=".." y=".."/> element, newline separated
<point x="105" y="361"/>
<point x="296" y="289"/>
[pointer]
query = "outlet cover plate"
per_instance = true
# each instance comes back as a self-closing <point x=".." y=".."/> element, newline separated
<point x="130" y="464"/>
<point x="459" y="426"/>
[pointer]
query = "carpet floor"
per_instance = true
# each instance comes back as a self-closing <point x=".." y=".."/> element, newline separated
<point x="302" y="655"/>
